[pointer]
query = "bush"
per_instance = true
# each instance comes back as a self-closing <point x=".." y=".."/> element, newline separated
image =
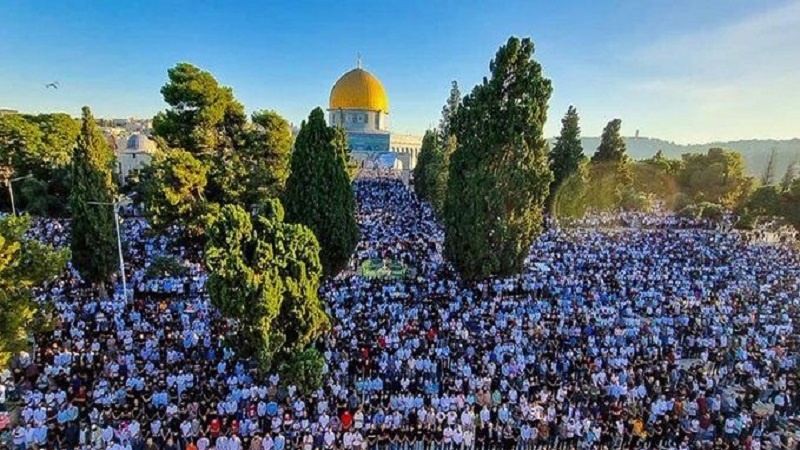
<point x="34" y="196"/>
<point x="688" y="212"/>
<point x="635" y="201"/>
<point x="747" y="221"/>
<point x="711" y="211"/>
<point x="304" y="370"/>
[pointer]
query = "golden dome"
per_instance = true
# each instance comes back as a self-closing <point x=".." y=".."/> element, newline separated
<point x="359" y="89"/>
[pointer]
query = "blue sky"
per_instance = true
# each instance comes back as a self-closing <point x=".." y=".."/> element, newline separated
<point x="682" y="70"/>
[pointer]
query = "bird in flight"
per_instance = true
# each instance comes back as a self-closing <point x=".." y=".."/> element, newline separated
<point x="53" y="85"/>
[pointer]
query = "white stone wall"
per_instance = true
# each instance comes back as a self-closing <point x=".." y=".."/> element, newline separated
<point x="128" y="161"/>
<point x="360" y="121"/>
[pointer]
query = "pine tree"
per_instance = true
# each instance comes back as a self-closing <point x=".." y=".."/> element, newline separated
<point x="567" y="154"/>
<point x="499" y="175"/>
<point x="318" y="191"/>
<point x="206" y="120"/>
<point x="94" y="241"/>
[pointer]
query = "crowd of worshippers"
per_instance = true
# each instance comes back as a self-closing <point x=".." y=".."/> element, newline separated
<point x="674" y="336"/>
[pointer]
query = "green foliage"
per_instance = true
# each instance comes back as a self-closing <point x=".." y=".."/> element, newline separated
<point x="790" y="204"/>
<point x="246" y="162"/>
<point x="746" y="221"/>
<point x="711" y="211"/>
<point x="343" y="150"/>
<point x="24" y="265"/>
<point x="790" y="175"/>
<point x="612" y="148"/>
<point x="207" y="121"/>
<point x="94" y="242"/>
<point x="431" y="171"/>
<point x="20" y="143"/>
<point x="661" y="164"/>
<point x="610" y="172"/>
<point x="655" y="181"/>
<point x="634" y="200"/>
<point x="571" y="199"/>
<point x="172" y="191"/>
<point x="499" y="175"/>
<point x="266" y="154"/>
<point x="34" y="196"/>
<point x="304" y="370"/>
<point x="567" y="155"/>
<point x="449" y="112"/>
<point x="59" y="136"/>
<point x="168" y="266"/>
<point x="716" y="177"/>
<point x="264" y="274"/>
<point x="318" y="192"/>
<point x="41" y="146"/>
<point x="203" y="116"/>
<point x="689" y="212"/>
<point x="703" y="210"/>
<point x="765" y="201"/>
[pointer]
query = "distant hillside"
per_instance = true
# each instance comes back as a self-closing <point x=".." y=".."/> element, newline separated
<point x="756" y="152"/>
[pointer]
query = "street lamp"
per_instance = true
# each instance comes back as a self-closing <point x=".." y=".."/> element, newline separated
<point x="115" y="205"/>
<point x="11" y="191"/>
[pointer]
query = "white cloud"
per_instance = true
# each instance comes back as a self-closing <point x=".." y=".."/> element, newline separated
<point x="734" y="81"/>
<point x="770" y="36"/>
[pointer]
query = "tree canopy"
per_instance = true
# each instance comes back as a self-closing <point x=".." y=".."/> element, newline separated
<point x="245" y="161"/>
<point x="499" y="175"/>
<point x="449" y="111"/>
<point x="93" y="241"/>
<point x="266" y="154"/>
<point x="24" y="265"/>
<point x="610" y="172"/>
<point x="717" y="176"/>
<point x="265" y="274"/>
<point x="430" y="173"/>
<point x="203" y="116"/>
<point x="173" y="191"/>
<point x="318" y="191"/>
<point x="567" y="155"/>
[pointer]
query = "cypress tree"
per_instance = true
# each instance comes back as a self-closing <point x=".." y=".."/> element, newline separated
<point x="449" y="112"/>
<point x="94" y="240"/>
<point x="610" y="171"/>
<point x="612" y="147"/>
<point x="499" y="175"/>
<point x="567" y="154"/>
<point x="265" y="274"/>
<point x="318" y="192"/>
<point x="423" y="167"/>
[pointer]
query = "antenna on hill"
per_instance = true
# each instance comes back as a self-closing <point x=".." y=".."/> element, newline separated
<point x="358" y="60"/>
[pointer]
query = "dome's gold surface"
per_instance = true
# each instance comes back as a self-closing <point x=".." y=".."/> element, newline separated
<point x="359" y="89"/>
